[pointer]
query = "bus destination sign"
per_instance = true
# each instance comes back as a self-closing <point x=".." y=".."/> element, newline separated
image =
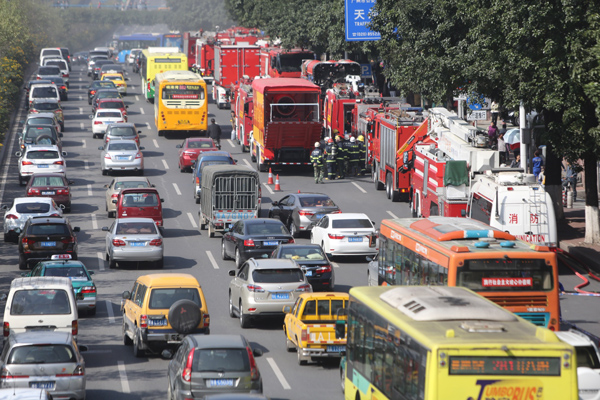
<point x="516" y="366"/>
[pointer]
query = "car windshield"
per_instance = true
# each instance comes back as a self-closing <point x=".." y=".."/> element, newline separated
<point x="49" y="229"/>
<point x="69" y="271"/>
<point x="42" y="354"/>
<point x="303" y="253"/>
<point x="351" y="223"/>
<point x="131" y="184"/>
<point x="266" y="229"/>
<point x="48" y="181"/>
<point x="136" y="228"/>
<point x="316" y="201"/>
<point x="40" y="302"/>
<point x="44" y="91"/>
<point x="49" y="71"/>
<point x="111" y="104"/>
<point x="33" y="208"/>
<point x="164" y="298"/>
<point x="277" y="275"/>
<point x="108" y="114"/>
<point x="122" y="147"/>
<point x="42" y="155"/>
<point x="222" y="360"/>
<point x="118" y="131"/>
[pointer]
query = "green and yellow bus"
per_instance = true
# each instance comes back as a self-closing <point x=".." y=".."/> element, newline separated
<point x="155" y="60"/>
<point x="180" y="102"/>
<point x="440" y="343"/>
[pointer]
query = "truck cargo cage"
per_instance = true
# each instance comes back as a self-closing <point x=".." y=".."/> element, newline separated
<point x="235" y="193"/>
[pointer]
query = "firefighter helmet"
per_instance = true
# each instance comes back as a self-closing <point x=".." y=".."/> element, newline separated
<point x="361" y="138"/>
<point x="335" y="131"/>
<point x="329" y="140"/>
<point x="338" y="138"/>
<point x="317" y="144"/>
<point x="352" y="139"/>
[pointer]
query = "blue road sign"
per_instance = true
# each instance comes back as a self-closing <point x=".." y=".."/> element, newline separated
<point x="357" y="18"/>
<point x="475" y="103"/>
<point x="365" y="71"/>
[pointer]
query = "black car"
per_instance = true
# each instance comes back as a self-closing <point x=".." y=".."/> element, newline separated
<point x="300" y="211"/>
<point x="312" y="260"/>
<point x="107" y="93"/>
<point x="59" y="81"/>
<point x="98" y="67"/>
<point x="97" y="85"/>
<point x="253" y="238"/>
<point x="43" y="237"/>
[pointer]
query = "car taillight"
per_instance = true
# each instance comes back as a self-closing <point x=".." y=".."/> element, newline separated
<point x="255" y="289"/>
<point x="26" y="163"/>
<point x="88" y="289"/>
<point x="206" y="320"/>
<point x="5" y="374"/>
<point x="107" y="156"/>
<point x="98" y="122"/>
<point x="304" y="335"/>
<point x="304" y="288"/>
<point x="336" y="212"/>
<point x="156" y="242"/>
<point x="93" y="92"/>
<point x="62" y="191"/>
<point x="114" y="196"/>
<point x="65" y="75"/>
<point x="305" y="213"/>
<point x="59" y="162"/>
<point x="69" y="240"/>
<point x="197" y="181"/>
<point x="74" y="328"/>
<point x="6" y="329"/>
<point x="11" y="216"/>
<point x="143" y="321"/>
<point x="254" y="374"/>
<point x="186" y="375"/>
<point x="138" y="155"/>
<point x="249" y="243"/>
<point x="291" y="240"/>
<point x="334" y="236"/>
<point x="188" y="153"/>
<point x="118" y="242"/>
<point x="63" y="87"/>
<point x="55" y="215"/>
<point x="28" y="242"/>
<point x="323" y="269"/>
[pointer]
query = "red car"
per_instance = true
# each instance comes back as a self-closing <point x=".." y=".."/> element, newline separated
<point x="191" y="148"/>
<point x="113" y="103"/>
<point x="55" y="186"/>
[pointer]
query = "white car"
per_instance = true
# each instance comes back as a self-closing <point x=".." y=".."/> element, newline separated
<point x="121" y="155"/>
<point x="103" y="118"/>
<point x="40" y="158"/>
<point x="588" y="363"/>
<point x="23" y="208"/>
<point x="131" y="55"/>
<point x="63" y="65"/>
<point x="346" y="234"/>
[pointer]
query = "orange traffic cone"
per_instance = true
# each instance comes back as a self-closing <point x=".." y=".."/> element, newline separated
<point x="277" y="187"/>
<point x="270" y="181"/>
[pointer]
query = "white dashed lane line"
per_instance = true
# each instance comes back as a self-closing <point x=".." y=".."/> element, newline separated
<point x="110" y="312"/>
<point x="86" y="164"/>
<point x="248" y="163"/>
<point x="142" y="111"/>
<point x="177" y="189"/>
<point x="148" y="125"/>
<point x="155" y="143"/>
<point x="278" y="373"/>
<point x="123" y="377"/>
<point x="82" y="126"/>
<point x="212" y="259"/>
<point x="137" y="98"/>
<point x="392" y="214"/>
<point x="359" y="188"/>
<point x="268" y="188"/>
<point x="89" y="188"/>
<point x="192" y="220"/>
<point x="83" y="144"/>
<point x="94" y="222"/>
<point x="231" y="143"/>
<point x="165" y="164"/>
<point x="100" y="260"/>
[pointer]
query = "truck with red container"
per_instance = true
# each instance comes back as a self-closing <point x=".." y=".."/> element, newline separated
<point x="232" y="62"/>
<point x="243" y="107"/>
<point x="286" y="122"/>
<point x="276" y="62"/>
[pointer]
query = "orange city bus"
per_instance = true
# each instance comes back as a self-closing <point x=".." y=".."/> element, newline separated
<point x="520" y="277"/>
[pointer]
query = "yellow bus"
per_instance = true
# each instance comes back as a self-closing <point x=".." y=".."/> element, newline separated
<point x="155" y="60"/>
<point x="180" y="102"/>
<point x="440" y="343"/>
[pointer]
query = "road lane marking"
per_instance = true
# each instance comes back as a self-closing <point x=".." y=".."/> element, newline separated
<point x="89" y="186"/>
<point x="212" y="259"/>
<point x="94" y="222"/>
<point x="165" y="164"/>
<point x="82" y="126"/>
<point x="278" y="373"/>
<point x="392" y="214"/>
<point x="142" y="111"/>
<point x="177" y="189"/>
<point x="247" y="163"/>
<point x="268" y="188"/>
<point x="231" y="143"/>
<point x="359" y="188"/>
<point x="191" y="217"/>
<point x="109" y="310"/>
<point x="80" y="98"/>
<point x="81" y="110"/>
<point x="155" y="143"/>
<point x="335" y="265"/>
<point x="83" y="144"/>
<point x="123" y="376"/>
<point x="137" y="98"/>
<point x="100" y="261"/>
<point x="86" y="164"/>
<point x="148" y="125"/>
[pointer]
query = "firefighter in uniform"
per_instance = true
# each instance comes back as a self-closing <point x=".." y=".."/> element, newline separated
<point x="341" y="157"/>
<point x="316" y="158"/>
<point x="353" y="157"/>
<point x="330" y="153"/>
<point x="362" y="154"/>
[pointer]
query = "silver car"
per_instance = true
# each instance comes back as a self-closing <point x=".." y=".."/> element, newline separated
<point x="301" y="211"/>
<point x="24" y="394"/>
<point x="134" y="239"/>
<point x="122" y="131"/>
<point x="122" y="182"/>
<point x="23" y="208"/>
<point x="263" y="287"/>
<point x="121" y="155"/>
<point x="48" y="360"/>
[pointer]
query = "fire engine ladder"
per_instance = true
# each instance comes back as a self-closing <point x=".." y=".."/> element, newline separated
<point x="537" y="212"/>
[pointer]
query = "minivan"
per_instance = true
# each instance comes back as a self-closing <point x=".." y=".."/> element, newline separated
<point x="140" y="203"/>
<point x="46" y="91"/>
<point x="62" y="65"/>
<point x="50" y="51"/>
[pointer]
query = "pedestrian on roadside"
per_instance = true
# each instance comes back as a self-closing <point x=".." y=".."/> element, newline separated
<point x="571" y="179"/>
<point x="492" y="134"/>
<point x="542" y="176"/>
<point x="316" y="158"/>
<point x="214" y="132"/>
<point x="537" y="163"/>
<point x="331" y="153"/>
<point x="503" y="129"/>
<point x="232" y="120"/>
<point x="362" y="155"/>
<point x="353" y="157"/>
<point x="502" y="150"/>
<point x="516" y="162"/>
<point x="495" y="111"/>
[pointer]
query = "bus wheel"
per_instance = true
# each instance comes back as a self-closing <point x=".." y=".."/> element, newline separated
<point x="160" y="133"/>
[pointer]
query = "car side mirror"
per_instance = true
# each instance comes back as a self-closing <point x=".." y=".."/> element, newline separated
<point x="91" y="116"/>
<point x="71" y="182"/>
<point x="142" y="148"/>
<point x="153" y="185"/>
<point x="18" y="153"/>
<point x="105" y="228"/>
<point x="340" y="329"/>
<point x="178" y="146"/>
<point x="106" y="186"/>
<point x="257" y="352"/>
<point x="139" y="131"/>
<point x="76" y="229"/>
<point x="64" y="153"/>
<point x="275" y="203"/>
<point x="231" y="272"/>
<point x="126" y="106"/>
<point x="369" y="258"/>
<point x="82" y="347"/>
<point x="101" y="148"/>
<point x="126" y="295"/>
<point x="162" y="200"/>
<point x="114" y="201"/>
<point x="287" y="309"/>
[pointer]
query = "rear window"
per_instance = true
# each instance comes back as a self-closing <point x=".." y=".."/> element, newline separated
<point x="278" y="275"/>
<point x="136" y="228"/>
<point x="49" y="230"/>
<point x="111" y="104"/>
<point x="112" y="78"/>
<point x="48" y="181"/>
<point x="266" y="229"/>
<point x="200" y="144"/>
<point x="220" y="360"/>
<point x="68" y="271"/>
<point x="122" y="131"/>
<point x="108" y="94"/>
<point x="35" y="131"/>
<point x="140" y="200"/>
<point x="122" y="146"/>
<point x="351" y="223"/>
<point x="59" y="63"/>
<point x="42" y="354"/>
<point x="164" y="298"/>
<point x="303" y="253"/>
<point x="33" y="208"/>
<point x="42" y="155"/>
<point x="316" y="201"/>
<point x="131" y="185"/>
<point x="103" y="84"/>
<point x="51" y="52"/>
<point x="587" y="357"/>
<point x="40" y="302"/>
<point x="40" y="121"/>
<point x="109" y="115"/>
<point x="48" y="91"/>
<point x="48" y="71"/>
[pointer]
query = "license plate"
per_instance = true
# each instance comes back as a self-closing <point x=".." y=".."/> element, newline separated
<point x="336" y="349"/>
<point x="42" y="385"/>
<point x="48" y="244"/>
<point x="280" y="296"/>
<point x="137" y="244"/>
<point x="48" y="193"/>
<point x="355" y="238"/>
<point x="157" y="322"/>
<point x="271" y="243"/>
<point x="220" y="382"/>
<point x="308" y="273"/>
<point x="122" y="158"/>
<point x="42" y="165"/>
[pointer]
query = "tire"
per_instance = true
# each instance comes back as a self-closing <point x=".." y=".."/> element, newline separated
<point x="388" y="186"/>
<point x="231" y="311"/>
<point x="244" y="318"/>
<point x="289" y="345"/>
<point x="294" y="229"/>
<point x="126" y="339"/>
<point x="238" y="258"/>
<point x="106" y="257"/>
<point x="112" y="214"/>
<point x="374" y="173"/>
<point x="224" y="255"/>
<point x="301" y="361"/>
<point x="22" y="262"/>
<point x="211" y="232"/>
<point x="6" y="238"/>
<point x="137" y="352"/>
<point x="112" y="264"/>
<point x="197" y="200"/>
<point x="343" y="378"/>
<point x="184" y="316"/>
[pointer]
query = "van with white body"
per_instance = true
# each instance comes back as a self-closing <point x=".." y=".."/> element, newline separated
<point x="50" y="51"/>
<point x="41" y="303"/>
<point x="45" y="91"/>
<point x="514" y="202"/>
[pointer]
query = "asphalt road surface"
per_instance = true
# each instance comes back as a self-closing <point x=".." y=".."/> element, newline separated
<point x="112" y="370"/>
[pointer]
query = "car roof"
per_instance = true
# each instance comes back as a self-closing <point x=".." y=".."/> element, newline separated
<point x="218" y="341"/>
<point x="274" y="263"/>
<point x="574" y="338"/>
<point x="174" y="279"/>
<point x="199" y="139"/>
<point x="323" y="295"/>
<point x="40" y="282"/>
<point x="218" y="153"/>
<point x="37" y="338"/>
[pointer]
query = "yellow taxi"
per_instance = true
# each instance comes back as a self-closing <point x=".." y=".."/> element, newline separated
<point x="117" y="79"/>
<point x="161" y="309"/>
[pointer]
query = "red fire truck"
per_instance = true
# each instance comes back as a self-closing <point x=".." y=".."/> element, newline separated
<point x="338" y="104"/>
<point x="243" y="107"/>
<point x="189" y="46"/>
<point x="205" y="58"/>
<point x="286" y="121"/>
<point x="232" y="62"/>
<point x="276" y="62"/>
